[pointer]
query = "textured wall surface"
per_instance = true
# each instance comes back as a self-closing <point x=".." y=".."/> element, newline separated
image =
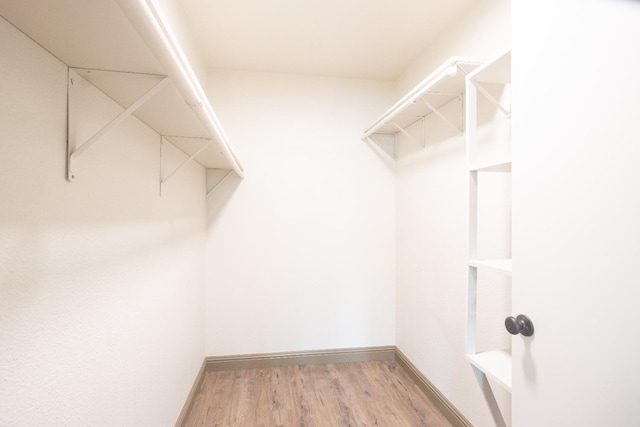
<point x="101" y="280"/>
<point x="302" y="254"/>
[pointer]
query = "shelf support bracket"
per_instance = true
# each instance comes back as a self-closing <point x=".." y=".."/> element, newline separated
<point x="492" y="99"/>
<point x="186" y="162"/>
<point x="435" y="111"/>
<point x="74" y="154"/>
<point x="164" y="179"/>
<point x="412" y="139"/>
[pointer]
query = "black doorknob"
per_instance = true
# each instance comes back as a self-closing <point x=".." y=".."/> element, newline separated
<point x="520" y="324"/>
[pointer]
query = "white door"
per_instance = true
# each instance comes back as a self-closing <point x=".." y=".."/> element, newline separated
<point x="576" y="212"/>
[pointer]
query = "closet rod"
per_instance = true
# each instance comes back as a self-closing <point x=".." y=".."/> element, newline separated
<point x="147" y="20"/>
<point x="447" y="70"/>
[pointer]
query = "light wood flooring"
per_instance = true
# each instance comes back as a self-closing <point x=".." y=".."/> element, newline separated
<point x="377" y="393"/>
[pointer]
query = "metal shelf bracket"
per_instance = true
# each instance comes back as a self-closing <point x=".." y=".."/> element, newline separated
<point x="411" y="138"/>
<point x="167" y="177"/>
<point x="435" y="111"/>
<point x="75" y="149"/>
<point x="183" y="164"/>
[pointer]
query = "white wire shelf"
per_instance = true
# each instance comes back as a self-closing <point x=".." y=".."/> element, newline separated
<point x="446" y="83"/>
<point x="126" y="51"/>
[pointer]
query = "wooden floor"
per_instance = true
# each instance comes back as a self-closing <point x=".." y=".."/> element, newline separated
<point x="340" y="394"/>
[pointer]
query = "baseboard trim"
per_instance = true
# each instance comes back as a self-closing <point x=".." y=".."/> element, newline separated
<point x="447" y="409"/>
<point x="191" y="397"/>
<point x="313" y="357"/>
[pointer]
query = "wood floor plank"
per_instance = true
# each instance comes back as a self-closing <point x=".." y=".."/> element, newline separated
<point x="375" y="393"/>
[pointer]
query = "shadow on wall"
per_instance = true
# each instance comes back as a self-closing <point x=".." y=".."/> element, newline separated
<point x="217" y="199"/>
<point x="383" y="154"/>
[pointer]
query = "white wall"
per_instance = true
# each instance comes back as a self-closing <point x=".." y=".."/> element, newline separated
<point x="301" y="255"/>
<point x="482" y="31"/>
<point x="432" y="227"/>
<point x="101" y="280"/>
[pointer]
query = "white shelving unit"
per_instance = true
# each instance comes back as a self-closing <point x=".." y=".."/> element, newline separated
<point x="495" y="364"/>
<point x="445" y="84"/>
<point x="126" y="49"/>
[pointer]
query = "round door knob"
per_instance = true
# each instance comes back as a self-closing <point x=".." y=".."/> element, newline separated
<point x="520" y="324"/>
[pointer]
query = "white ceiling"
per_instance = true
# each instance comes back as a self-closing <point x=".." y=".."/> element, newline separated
<point x="375" y="39"/>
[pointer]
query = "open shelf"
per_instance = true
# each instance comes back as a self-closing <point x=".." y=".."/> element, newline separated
<point x="442" y="86"/>
<point x="125" y="48"/>
<point x="495" y="364"/>
<point x="499" y="265"/>
<point x="495" y="166"/>
<point x="166" y="112"/>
